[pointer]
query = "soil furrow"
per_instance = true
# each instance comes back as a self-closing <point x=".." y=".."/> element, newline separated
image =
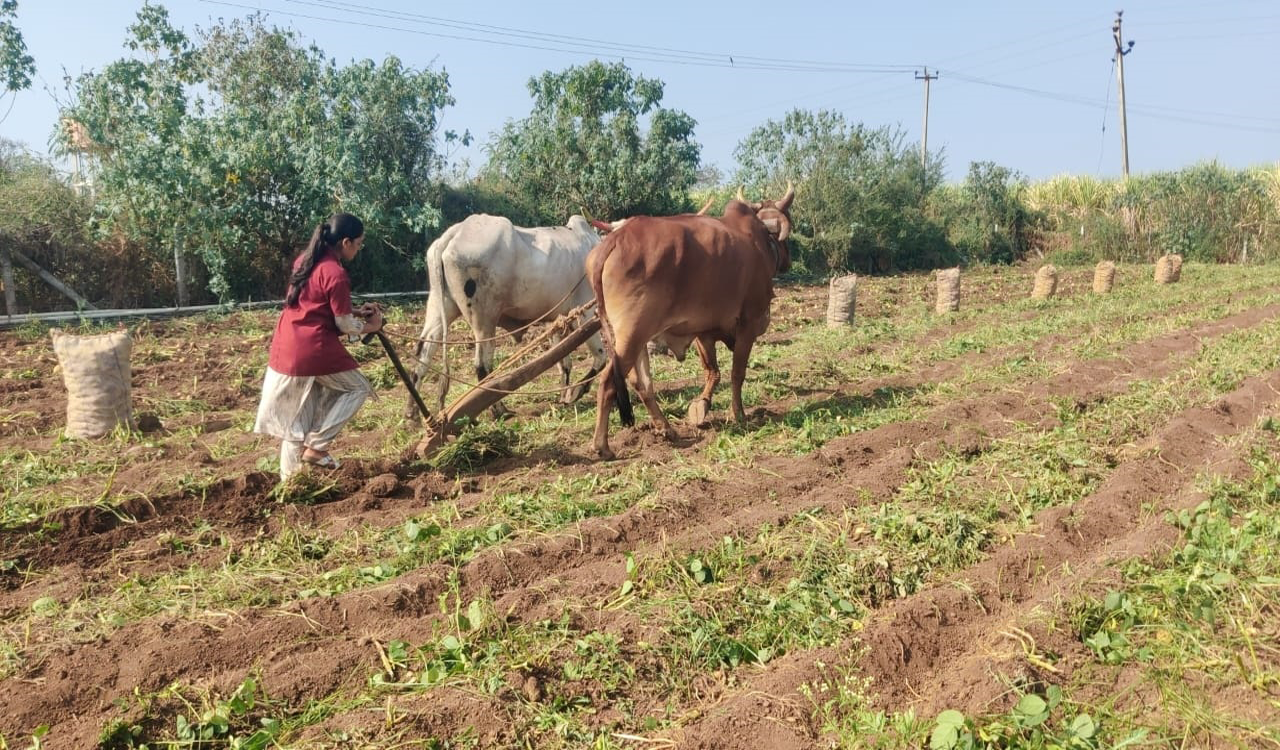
<point x="314" y="647"/>
<point x="934" y="650"/>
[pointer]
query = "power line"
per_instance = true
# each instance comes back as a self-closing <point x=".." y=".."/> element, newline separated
<point x="484" y="28"/>
<point x="1211" y="21"/>
<point x="1203" y="37"/>
<point x="1152" y="111"/>
<point x="1102" y="148"/>
<point x="593" y="49"/>
<point x="509" y="37"/>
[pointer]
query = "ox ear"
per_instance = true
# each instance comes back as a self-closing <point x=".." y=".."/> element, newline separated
<point x="785" y="204"/>
<point x="603" y="227"/>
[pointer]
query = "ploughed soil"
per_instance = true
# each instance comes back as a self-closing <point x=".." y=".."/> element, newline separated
<point x="947" y="646"/>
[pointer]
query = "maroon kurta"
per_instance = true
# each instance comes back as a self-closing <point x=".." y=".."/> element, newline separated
<point x="307" y="340"/>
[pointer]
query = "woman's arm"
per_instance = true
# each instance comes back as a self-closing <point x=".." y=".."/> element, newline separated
<point x="351" y="325"/>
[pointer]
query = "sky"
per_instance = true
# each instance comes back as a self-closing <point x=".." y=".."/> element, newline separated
<point x="1029" y="85"/>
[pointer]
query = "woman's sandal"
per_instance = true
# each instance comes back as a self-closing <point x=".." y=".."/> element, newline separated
<point x="325" y="462"/>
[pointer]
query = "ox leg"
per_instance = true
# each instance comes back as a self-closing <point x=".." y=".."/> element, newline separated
<point x="433" y="330"/>
<point x="612" y="377"/>
<point x="566" y="370"/>
<point x="642" y="380"/>
<point x="419" y="366"/>
<point x="741" y="355"/>
<point x="484" y="332"/>
<point x="573" y="393"/>
<point x="605" y="396"/>
<point x="699" y="409"/>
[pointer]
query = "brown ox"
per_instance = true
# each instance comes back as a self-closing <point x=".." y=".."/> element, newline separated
<point x="689" y="279"/>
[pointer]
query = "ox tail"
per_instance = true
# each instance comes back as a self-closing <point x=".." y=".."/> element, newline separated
<point x="438" y="290"/>
<point x="621" y="397"/>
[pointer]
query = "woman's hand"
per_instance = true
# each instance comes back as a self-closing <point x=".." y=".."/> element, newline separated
<point x="372" y="315"/>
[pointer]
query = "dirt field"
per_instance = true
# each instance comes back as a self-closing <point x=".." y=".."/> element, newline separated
<point x="925" y="514"/>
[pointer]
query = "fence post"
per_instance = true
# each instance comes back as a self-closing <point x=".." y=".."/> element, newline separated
<point x="179" y="269"/>
<point x="6" y="278"/>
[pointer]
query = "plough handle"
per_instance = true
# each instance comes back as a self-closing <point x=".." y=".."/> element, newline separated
<point x="404" y="376"/>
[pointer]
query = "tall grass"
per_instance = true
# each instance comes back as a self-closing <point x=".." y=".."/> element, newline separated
<point x="1205" y="212"/>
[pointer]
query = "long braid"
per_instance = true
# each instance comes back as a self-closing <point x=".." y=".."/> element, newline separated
<point x="315" y="251"/>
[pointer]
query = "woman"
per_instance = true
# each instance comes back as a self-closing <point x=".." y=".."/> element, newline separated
<point x="313" y="386"/>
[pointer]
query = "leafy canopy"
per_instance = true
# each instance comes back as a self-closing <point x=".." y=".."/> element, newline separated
<point x="986" y="218"/>
<point x="586" y="145"/>
<point x="862" y="189"/>
<point x="16" y="66"/>
<point x="232" y="146"/>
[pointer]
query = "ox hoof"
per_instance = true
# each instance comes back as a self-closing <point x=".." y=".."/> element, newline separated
<point x="699" y="408"/>
<point x="605" y="454"/>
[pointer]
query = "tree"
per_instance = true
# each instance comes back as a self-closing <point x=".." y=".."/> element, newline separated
<point x="233" y="146"/>
<point x="862" y="190"/>
<point x="585" y="146"/>
<point x="985" y="217"/>
<point x="16" y="66"/>
<point x="36" y="204"/>
<point x="42" y="217"/>
<point x="136" y="114"/>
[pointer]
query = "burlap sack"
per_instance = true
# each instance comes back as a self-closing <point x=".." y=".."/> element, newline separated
<point x="1104" y="277"/>
<point x="1046" y="283"/>
<point x="842" y="297"/>
<point x="95" y="370"/>
<point x="948" y="290"/>
<point x="1168" y="269"/>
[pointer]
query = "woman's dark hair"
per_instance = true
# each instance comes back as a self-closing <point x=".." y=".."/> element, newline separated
<point x="327" y="235"/>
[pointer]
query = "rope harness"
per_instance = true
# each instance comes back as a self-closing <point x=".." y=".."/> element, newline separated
<point x="444" y="343"/>
<point x="509" y="334"/>
<point x="560" y="326"/>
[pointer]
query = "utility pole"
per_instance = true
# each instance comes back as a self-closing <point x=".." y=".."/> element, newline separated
<point x="1121" y="51"/>
<point x="924" y="138"/>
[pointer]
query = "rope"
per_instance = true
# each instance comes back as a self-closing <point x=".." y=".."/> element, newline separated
<point x="560" y="326"/>
<point x="498" y="337"/>
<point x="491" y="389"/>
<point x="460" y="342"/>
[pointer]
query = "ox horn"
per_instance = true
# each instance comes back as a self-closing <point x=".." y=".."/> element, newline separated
<point x="790" y="195"/>
<point x="740" y="196"/>
<point x="703" y="211"/>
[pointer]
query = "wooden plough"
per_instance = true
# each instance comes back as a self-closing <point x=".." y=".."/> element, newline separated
<point x="500" y="382"/>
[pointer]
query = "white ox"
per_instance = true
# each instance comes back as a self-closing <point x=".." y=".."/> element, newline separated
<point x="493" y="273"/>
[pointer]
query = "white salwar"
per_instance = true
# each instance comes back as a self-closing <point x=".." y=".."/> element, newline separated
<point x="308" y="411"/>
